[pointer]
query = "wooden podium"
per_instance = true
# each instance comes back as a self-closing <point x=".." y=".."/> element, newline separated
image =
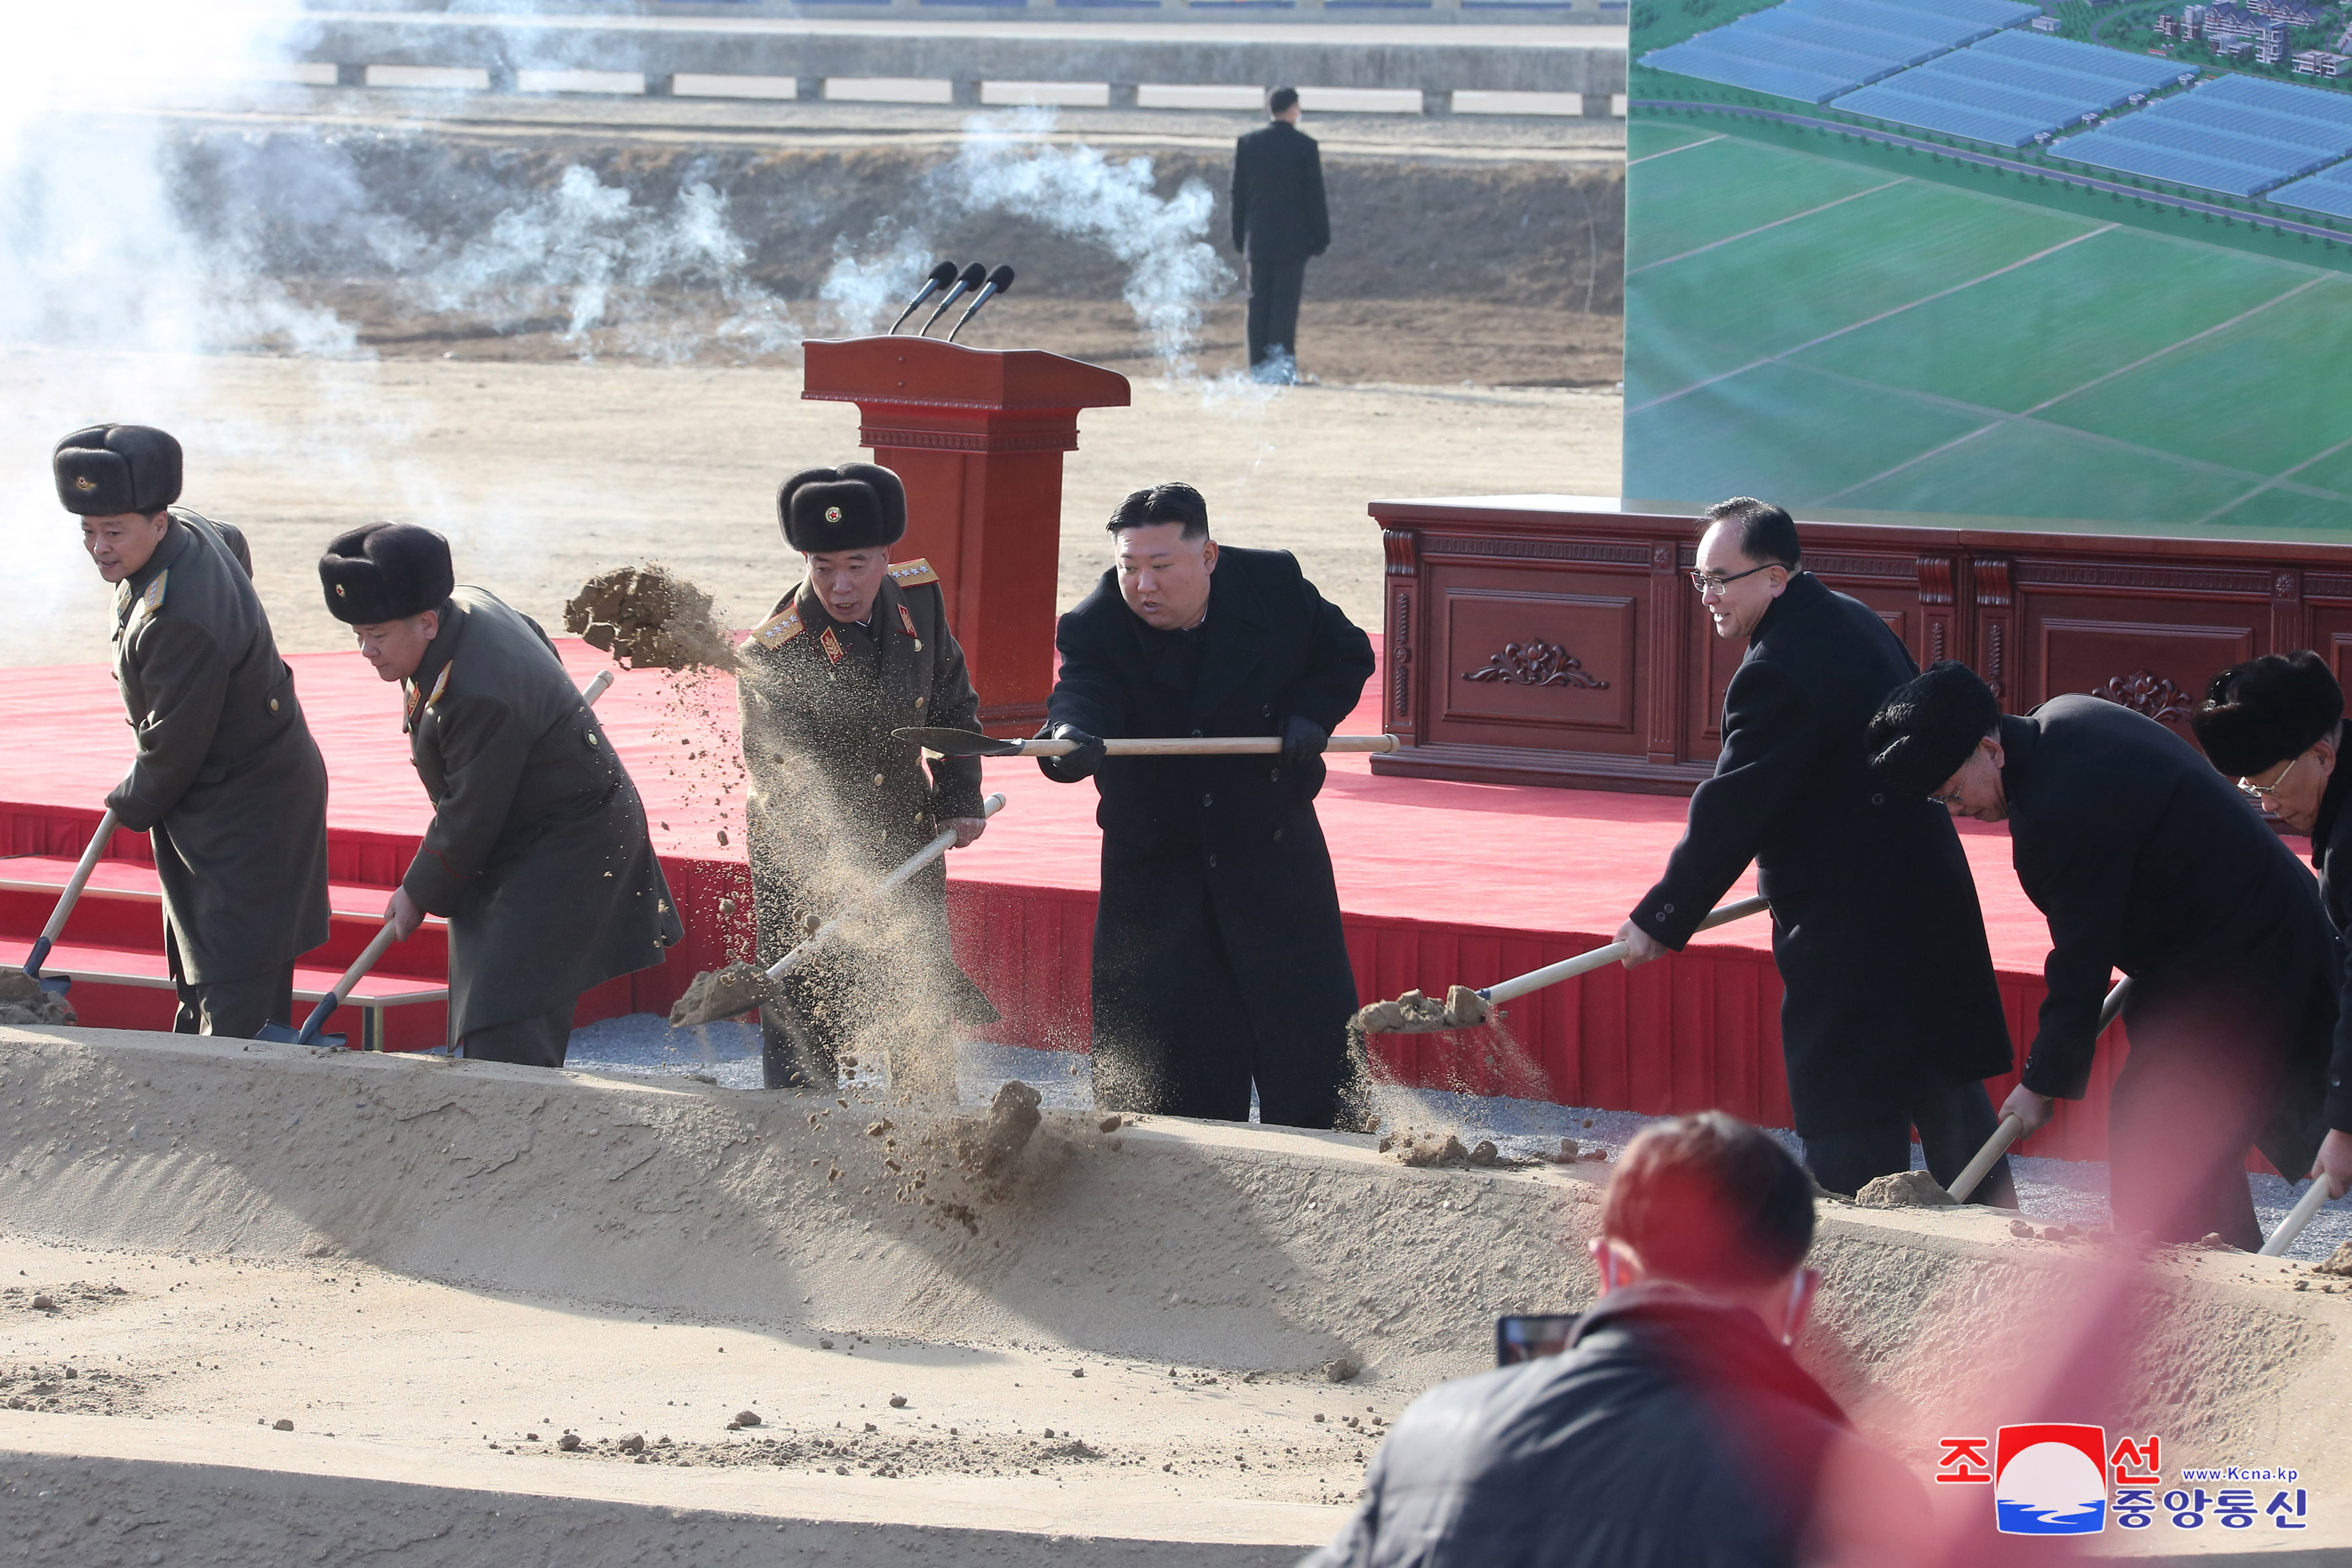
<point x="978" y="435"/>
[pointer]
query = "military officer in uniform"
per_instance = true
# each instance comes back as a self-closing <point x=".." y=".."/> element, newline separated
<point x="227" y="784"/>
<point x="536" y="853"/>
<point x="858" y="647"/>
<point x="1219" y="960"/>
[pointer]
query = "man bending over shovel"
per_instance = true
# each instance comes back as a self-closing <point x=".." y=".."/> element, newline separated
<point x="1218" y="953"/>
<point x="536" y="852"/>
<point x="1889" y="1016"/>
<point x="857" y="648"/>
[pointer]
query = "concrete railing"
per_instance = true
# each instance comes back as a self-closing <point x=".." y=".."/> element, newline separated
<point x="1111" y="13"/>
<point x="811" y="53"/>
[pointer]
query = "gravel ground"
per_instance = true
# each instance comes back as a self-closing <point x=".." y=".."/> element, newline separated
<point x="2054" y="1191"/>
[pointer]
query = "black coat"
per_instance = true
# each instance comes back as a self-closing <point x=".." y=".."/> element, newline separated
<point x="536" y="852"/>
<point x="227" y="781"/>
<point x="1279" y="211"/>
<point x="1887" y="980"/>
<point x="1216" y="865"/>
<point x="2145" y="860"/>
<point x="2331" y="853"/>
<point x="1674" y="1432"/>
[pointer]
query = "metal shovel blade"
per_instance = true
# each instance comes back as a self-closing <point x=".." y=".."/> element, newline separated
<point x="721" y="993"/>
<point x="287" y="1034"/>
<point x="54" y="985"/>
<point x="958" y="743"/>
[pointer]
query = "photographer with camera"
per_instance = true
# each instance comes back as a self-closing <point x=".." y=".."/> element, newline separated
<point x="1675" y="1428"/>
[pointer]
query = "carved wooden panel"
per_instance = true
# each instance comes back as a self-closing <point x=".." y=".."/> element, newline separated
<point x="2154" y="668"/>
<point x="1530" y="661"/>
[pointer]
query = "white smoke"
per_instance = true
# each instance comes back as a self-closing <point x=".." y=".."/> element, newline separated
<point x="1006" y="164"/>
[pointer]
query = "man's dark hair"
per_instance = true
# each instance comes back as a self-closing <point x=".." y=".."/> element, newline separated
<point x="1712" y="1202"/>
<point x="2257" y="714"/>
<point x="1757" y="529"/>
<point x="1174" y="501"/>
<point x="1283" y="100"/>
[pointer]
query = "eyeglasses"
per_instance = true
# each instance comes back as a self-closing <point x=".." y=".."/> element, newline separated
<point x="2264" y="791"/>
<point x="1946" y="801"/>
<point x="1715" y="582"/>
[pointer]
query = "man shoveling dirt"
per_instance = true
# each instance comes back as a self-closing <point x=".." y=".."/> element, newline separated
<point x="648" y="617"/>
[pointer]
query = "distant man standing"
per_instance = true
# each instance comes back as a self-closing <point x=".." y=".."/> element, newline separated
<point x="1279" y="221"/>
<point x="2146" y="860"/>
<point x="857" y="648"/>
<point x="536" y="852"/>
<point x="1219" y="961"/>
<point x="227" y="784"/>
<point x="1890" y="1018"/>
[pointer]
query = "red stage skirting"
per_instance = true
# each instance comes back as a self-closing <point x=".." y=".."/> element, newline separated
<point x="1441" y="882"/>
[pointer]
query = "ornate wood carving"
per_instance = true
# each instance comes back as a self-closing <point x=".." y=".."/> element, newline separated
<point x="1991" y="574"/>
<point x="2129" y="577"/>
<point x="1538" y="550"/>
<point x="1935" y="578"/>
<point x="1399" y="659"/>
<point x="1993" y="672"/>
<point x="1936" y="653"/>
<point x="1397" y="545"/>
<point x="2144" y="692"/>
<point x="1536" y="663"/>
<point x="1893" y="568"/>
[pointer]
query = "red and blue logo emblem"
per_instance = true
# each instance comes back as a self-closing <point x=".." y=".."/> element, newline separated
<point x="2051" y="1479"/>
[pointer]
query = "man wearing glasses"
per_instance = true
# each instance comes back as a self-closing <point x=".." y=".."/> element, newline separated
<point x="2143" y="859"/>
<point x="1890" y="1018"/>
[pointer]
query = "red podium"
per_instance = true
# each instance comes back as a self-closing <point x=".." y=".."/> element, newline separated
<point x="978" y="435"/>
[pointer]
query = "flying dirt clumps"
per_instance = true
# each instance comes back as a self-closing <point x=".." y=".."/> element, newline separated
<point x="987" y="1150"/>
<point x="716" y="993"/>
<point x="1414" y="1013"/>
<point x="648" y="617"/>
<point x="1903" y="1190"/>
<point x="22" y="1001"/>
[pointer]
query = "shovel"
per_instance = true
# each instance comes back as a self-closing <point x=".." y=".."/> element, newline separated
<point x="2297" y="1219"/>
<point x="2011" y="1129"/>
<point x="965" y="744"/>
<point x="737" y="988"/>
<point x="58" y="985"/>
<point x="308" y="1034"/>
<point x="1414" y="1013"/>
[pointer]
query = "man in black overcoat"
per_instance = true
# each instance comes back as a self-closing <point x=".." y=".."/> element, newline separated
<point x="2146" y="860"/>
<point x="1279" y="221"/>
<point x="536" y="852"/>
<point x="1218" y="955"/>
<point x="1890" y="1018"/>
<point x="227" y="781"/>
<point x="2277" y="723"/>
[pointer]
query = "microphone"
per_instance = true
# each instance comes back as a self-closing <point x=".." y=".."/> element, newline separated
<point x="998" y="282"/>
<point x="963" y="285"/>
<point x="943" y="273"/>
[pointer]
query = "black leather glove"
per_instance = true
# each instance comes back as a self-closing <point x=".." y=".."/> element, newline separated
<point x="1071" y="766"/>
<point x="1302" y="741"/>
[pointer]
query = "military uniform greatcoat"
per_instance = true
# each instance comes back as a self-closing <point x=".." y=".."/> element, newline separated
<point x="538" y="852"/>
<point x="228" y="783"/>
<point x="835" y="803"/>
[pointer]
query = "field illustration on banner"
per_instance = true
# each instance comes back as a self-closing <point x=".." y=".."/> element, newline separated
<point x="1992" y="259"/>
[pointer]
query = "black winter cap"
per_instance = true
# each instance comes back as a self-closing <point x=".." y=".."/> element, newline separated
<point x="857" y="506"/>
<point x="110" y="469"/>
<point x="385" y="572"/>
<point x="2257" y="714"/>
<point x="1926" y="728"/>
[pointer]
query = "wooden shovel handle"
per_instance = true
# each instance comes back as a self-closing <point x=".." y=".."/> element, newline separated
<point x="2007" y="1132"/>
<point x="2297" y="1219"/>
<point x="1207" y="746"/>
<point x="1601" y="957"/>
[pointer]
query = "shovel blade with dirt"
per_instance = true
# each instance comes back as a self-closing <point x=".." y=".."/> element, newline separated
<point x="969" y="743"/>
<point x="1464" y="1008"/>
<point x="716" y="993"/>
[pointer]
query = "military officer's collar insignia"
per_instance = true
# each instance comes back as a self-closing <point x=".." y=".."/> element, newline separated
<point x="833" y="649"/>
<point x="908" y="621"/>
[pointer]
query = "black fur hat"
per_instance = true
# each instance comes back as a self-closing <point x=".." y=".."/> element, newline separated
<point x="385" y="572"/>
<point x="2257" y="714"/>
<point x="1926" y="728"/>
<point x="108" y="470"/>
<point x="856" y="506"/>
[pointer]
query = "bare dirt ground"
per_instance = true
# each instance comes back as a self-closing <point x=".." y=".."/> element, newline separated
<point x="542" y="473"/>
<point x="371" y="1282"/>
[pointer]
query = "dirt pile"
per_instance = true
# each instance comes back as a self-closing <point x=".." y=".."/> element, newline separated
<point x="1903" y="1190"/>
<point x="649" y="618"/>
<point x="23" y="1002"/>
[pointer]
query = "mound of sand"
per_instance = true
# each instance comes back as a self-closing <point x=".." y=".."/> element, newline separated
<point x="22" y="1001"/>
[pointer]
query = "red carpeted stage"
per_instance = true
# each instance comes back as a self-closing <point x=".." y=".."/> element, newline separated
<point x="1442" y="882"/>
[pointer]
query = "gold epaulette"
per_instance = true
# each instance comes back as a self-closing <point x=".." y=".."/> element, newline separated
<point x="152" y="600"/>
<point x="908" y="574"/>
<point x="778" y="629"/>
<point x="419" y="700"/>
